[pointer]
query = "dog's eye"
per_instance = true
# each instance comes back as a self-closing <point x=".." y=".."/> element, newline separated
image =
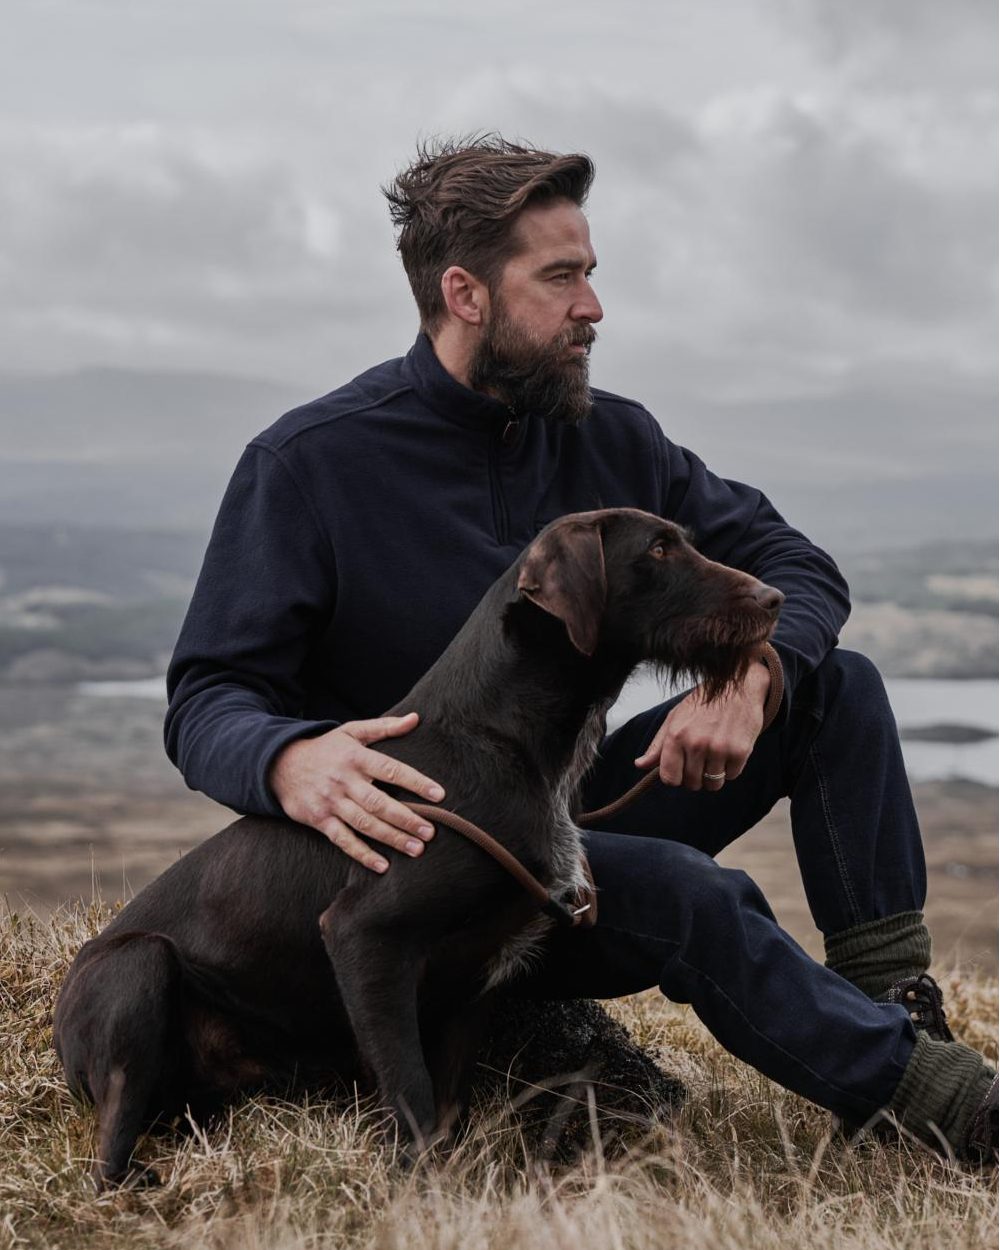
<point x="658" y="550"/>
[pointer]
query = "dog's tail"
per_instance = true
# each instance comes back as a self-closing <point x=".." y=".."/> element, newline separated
<point x="115" y="1029"/>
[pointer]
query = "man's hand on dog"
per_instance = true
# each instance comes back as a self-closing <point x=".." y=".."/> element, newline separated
<point x="326" y="783"/>
<point x="699" y="738"/>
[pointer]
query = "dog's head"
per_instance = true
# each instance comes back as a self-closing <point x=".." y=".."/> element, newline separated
<point x="629" y="581"/>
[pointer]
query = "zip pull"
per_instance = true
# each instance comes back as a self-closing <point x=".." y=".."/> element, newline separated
<point x="509" y="435"/>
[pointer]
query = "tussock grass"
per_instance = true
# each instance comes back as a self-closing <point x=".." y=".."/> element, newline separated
<point x="744" y="1166"/>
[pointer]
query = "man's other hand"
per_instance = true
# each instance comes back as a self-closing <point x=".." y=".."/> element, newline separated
<point x="703" y="745"/>
<point x="326" y="782"/>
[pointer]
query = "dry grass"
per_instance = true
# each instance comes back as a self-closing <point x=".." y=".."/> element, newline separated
<point x="744" y="1165"/>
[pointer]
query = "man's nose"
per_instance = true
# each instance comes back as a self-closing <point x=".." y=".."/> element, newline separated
<point x="587" y="307"/>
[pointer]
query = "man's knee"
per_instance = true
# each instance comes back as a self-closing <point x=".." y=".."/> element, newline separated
<point x="850" y="683"/>
<point x="669" y="886"/>
<point x="855" y="669"/>
<point x="721" y="898"/>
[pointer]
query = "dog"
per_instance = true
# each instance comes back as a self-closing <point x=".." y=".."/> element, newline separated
<point x="265" y="958"/>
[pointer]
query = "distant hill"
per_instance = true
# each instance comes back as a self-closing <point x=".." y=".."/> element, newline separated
<point x="876" y="468"/>
<point x="130" y="495"/>
<point x="114" y="447"/>
<point x="123" y="416"/>
<point x="158" y="493"/>
<point x="129" y="566"/>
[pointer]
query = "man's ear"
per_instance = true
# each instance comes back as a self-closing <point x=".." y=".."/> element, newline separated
<point x="464" y="295"/>
<point x="563" y="573"/>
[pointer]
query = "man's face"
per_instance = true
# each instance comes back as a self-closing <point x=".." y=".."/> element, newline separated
<point x="534" y="349"/>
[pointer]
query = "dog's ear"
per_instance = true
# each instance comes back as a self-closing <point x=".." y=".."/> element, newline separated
<point x="563" y="573"/>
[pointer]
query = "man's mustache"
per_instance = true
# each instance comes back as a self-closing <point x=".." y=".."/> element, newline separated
<point x="584" y="337"/>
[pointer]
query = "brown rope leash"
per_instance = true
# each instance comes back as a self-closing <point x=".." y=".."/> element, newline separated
<point x="584" y="913"/>
<point x="584" y="909"/>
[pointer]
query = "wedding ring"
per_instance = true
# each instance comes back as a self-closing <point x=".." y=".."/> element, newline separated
<point x="713" y="776"/>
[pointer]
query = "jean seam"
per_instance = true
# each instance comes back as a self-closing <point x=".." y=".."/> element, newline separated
<point x="837" y="1089"/>
<point x="792" y="778"/>
<point x="831" y="829"/>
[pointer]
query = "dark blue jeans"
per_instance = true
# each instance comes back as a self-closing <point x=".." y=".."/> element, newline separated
<point x="670" y="916"/>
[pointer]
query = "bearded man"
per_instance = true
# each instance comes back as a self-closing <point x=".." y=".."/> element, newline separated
<point x="360" y="530"/>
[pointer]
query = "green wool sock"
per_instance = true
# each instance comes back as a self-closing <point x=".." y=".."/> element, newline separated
<point x="943" y="1086"/>
<point x="875" y="955"/>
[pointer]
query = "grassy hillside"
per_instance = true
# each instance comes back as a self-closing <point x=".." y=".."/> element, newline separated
<point x="743" y="1165"/>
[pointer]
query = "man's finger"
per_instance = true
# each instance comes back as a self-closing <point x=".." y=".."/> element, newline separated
<point x="379" y="806"/>
<point x="396" y="773"/>
<point x="694" y="769"/>
<point x="380" y="727"/>
<point x="714" y="775"/>
<point x="650" y="755"/>
<point x="652" y="752"/>
<point x="736" y="766"/>
<point x="372" y="826"/>
<point x="671" y="763"/>
<point x="352" y="845"/>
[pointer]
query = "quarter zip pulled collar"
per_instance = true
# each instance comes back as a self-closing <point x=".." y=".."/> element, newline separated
<point x="450" y="399"/>
<point x="503" y="428"/>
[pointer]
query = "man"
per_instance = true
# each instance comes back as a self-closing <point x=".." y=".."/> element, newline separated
<point x="360" y="530"/>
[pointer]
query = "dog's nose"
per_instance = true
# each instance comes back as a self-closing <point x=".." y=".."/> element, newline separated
<point x="768" y="597"/>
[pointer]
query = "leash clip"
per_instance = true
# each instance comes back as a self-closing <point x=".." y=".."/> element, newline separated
<point x="559" y="912"/>
<point x="563" y="914"/>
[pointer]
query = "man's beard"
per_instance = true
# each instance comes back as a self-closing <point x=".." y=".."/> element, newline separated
<point x="532" y="376"/>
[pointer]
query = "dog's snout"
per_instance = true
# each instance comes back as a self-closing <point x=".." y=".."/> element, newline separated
<point x="768" y="597"/>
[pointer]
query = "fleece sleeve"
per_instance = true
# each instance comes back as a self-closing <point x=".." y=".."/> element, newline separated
<point x="737" y="525"/>
<point x="265" y="593"/>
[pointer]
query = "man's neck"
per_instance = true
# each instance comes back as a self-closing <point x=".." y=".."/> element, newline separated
<point x="453" y="346"/>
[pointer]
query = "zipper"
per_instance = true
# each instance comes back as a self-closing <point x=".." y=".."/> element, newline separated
<point x="498" y="442"/>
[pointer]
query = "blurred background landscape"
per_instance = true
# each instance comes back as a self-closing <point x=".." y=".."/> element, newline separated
<point x="795" y="222"/>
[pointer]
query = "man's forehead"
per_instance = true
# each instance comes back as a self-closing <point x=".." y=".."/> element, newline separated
<point x="555" y="230"/>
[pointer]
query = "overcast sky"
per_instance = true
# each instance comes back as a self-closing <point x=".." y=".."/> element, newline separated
<point x="796" y="199"/>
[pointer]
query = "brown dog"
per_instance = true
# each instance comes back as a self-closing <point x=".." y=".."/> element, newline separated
<point x="267" y="958"/>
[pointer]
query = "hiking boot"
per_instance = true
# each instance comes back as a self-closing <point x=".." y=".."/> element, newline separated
<point x="922" y="998"/>
<point x="981" y="1138"/>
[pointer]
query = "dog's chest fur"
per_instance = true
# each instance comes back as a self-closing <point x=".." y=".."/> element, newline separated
<point x="566" y="855"/>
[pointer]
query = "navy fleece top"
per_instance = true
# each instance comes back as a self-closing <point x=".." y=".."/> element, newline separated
<point x="360" y="530"/>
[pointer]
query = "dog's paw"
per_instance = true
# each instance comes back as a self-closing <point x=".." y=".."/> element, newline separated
<point x="137" y="1177"/>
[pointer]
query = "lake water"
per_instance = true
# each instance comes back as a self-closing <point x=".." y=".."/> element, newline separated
<point x="916" y="701"/>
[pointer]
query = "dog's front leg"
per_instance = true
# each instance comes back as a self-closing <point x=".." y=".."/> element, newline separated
<point x="378" y="970"/>
<point x="452" y="1041"/>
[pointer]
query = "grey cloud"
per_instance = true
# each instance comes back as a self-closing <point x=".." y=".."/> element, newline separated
<point x="763" y="245"/>
<point x="917" y="44"/>
<point x="132" y="239"/>
<point x="776" y="244"/>
<point x="832" y="216"/>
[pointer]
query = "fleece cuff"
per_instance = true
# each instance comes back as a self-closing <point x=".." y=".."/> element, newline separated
<point x="875" y="955"/>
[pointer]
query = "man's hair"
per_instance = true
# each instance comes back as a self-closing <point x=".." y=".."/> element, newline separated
<point x="458" y="202"/>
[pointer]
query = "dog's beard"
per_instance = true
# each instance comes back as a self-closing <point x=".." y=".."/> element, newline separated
<point x="716" y="659"/>
<point x="532" y="375"/>
<point x="716" y="673"/>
